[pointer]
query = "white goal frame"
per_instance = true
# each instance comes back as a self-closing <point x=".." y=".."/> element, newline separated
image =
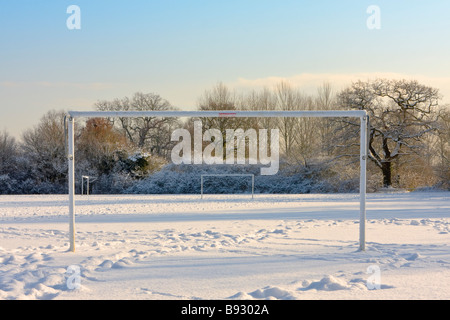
<point x="362" y="114"/>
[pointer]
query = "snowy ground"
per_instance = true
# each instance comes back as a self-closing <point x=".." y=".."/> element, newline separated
<point x="226" y="247"/>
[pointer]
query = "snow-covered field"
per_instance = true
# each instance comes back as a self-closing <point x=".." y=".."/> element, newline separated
<point x="226" y="247"/>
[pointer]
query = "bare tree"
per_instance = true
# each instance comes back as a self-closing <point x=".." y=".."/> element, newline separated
<point x="151" y="133"/>
<point x="325" y="100"/>
<point x="44" y="145"/>
<point x="220" y="97"/>
<point x="442" y="149"/>
<point x="262" y="101"/>
<point x="300" y="136"/>
<point x="401" y="113"/>
<point x="8" y="153"/>
<point x="287" y="99"/>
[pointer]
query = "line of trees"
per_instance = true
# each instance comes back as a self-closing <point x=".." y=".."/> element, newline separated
<point x="409" y="138"/>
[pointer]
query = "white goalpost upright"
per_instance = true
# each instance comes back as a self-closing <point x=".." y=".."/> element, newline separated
<point x="83" y="178"/>
<point x="361" y="114"/>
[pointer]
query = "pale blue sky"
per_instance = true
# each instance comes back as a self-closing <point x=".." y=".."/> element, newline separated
<point x="178" y="49"/>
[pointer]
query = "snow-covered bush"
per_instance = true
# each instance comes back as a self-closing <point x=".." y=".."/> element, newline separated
<point x="186" y="179"/>
<point x="8" y="185"/>
<point x="114" y="183"/>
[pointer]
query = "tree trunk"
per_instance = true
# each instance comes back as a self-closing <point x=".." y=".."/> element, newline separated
<point x="386" y="168"/>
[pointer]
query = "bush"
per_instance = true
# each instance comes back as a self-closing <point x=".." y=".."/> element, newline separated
<point x="186" y="179"/>
<point x="8" y="185"/>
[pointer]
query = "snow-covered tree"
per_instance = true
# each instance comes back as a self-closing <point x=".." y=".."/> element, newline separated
<point x="44" y="148"/>
<point x="9" y="164"/>
<point x="149" y="133"/>
<point x="401" y="112"/>
<point x="442" y="147"/>
<point x="8" y="153"/>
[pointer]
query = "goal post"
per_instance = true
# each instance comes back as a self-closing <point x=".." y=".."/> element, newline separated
<point x="83" y="178"/>
<point x="361" y="114"/>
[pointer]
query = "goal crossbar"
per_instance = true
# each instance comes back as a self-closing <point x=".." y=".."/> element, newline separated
<point x="218" y="114"/>
<point x="72" y="115"/>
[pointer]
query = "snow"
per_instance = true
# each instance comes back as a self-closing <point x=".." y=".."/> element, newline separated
<point x="230" y="247"/>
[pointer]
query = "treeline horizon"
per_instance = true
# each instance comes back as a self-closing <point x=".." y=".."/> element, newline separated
<point x="408" y="140"/>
